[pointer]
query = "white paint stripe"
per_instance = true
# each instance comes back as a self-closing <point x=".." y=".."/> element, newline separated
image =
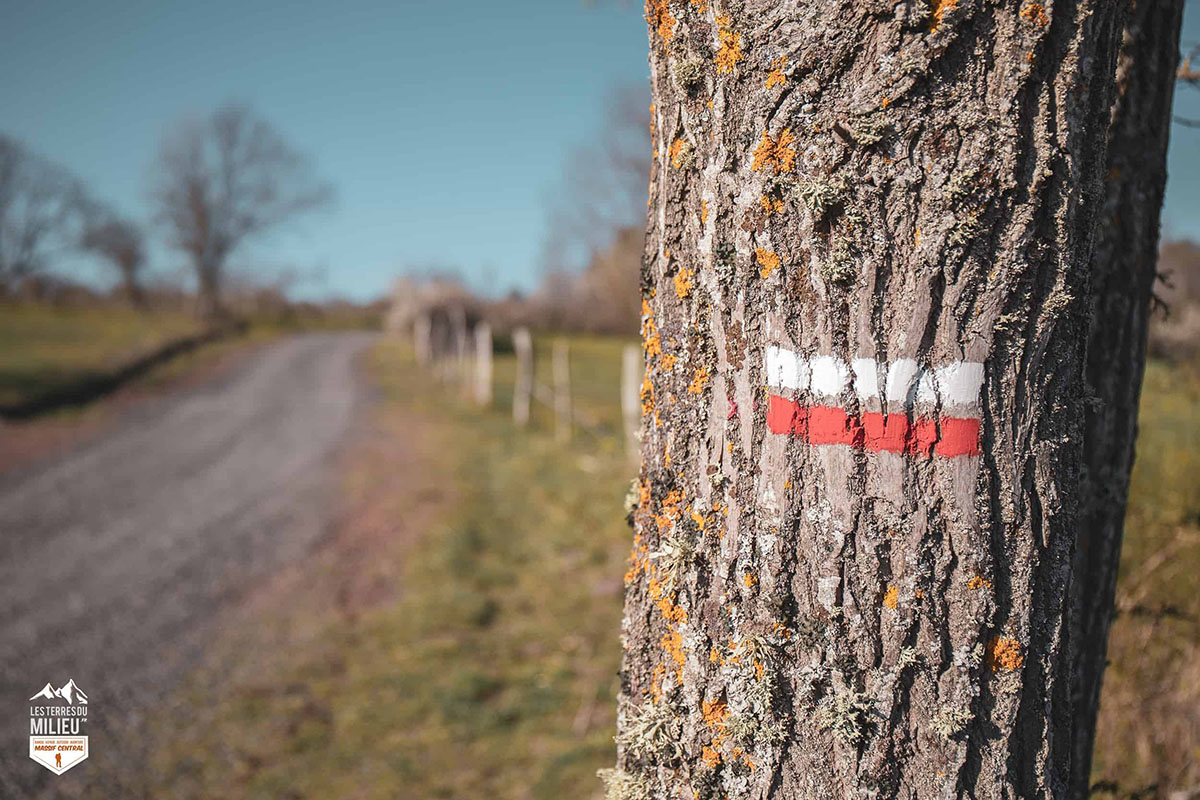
<point x="956" y="384"/>
<point x="959" y="383"/>
<point x="785" y="369"/>
<point x="830" y="376"/>
<point x="866" y="378"/>
<point x="926" y="390"/>
<point x="901" y="375"/>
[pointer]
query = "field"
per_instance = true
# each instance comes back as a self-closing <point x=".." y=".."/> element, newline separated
<point x="485" y="664"/>
<point x="43" y="348"/>
<point x="488" y="669"/>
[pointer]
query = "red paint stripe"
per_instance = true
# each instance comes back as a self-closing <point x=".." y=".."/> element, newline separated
<point x="892" y="433"/>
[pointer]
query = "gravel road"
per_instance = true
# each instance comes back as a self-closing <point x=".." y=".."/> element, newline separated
<point x="115" y="557"/>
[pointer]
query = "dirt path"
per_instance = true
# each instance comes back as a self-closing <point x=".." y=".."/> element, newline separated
<point x="115" y="558"/>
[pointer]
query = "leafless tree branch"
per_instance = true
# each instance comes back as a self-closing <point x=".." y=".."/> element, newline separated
<point x="224" y="179"/>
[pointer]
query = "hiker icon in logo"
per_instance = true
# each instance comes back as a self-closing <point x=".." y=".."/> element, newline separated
<point x="55" y="739"/>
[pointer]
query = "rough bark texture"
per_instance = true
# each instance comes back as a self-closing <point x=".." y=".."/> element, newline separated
<point x="872" y="184"/>
<point x="1124" y="266"/>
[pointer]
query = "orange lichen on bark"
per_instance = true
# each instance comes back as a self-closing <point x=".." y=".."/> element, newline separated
<point x="771" y="205"/>
<point x="650" y="338"/>
<point x="639" y="557"/>
<point x="676" y="615"/>
<point x="675" y="150"/>
<point x="730" y="52"/>
<point x="703" y="211"/>
<point x="699" y="379"/>
<point x="1035" y="12"/>
<point x="711" y="757"/>
<point x="977" y="582"/>
<point x="668" y="361"/>
<point x="774" y="154"/>
<point x="683" y="283"/>
<point x="1004" y="654"/>
<point x="672" y="644"/>
<point x="749" y="579"/>
<point x="938" y="10"/>
<point x="891" y="598"/>
<point x="767" y="260"/>
<point x="660" y="670"/>
<point x="776" y="75"/>
<point x="658" y="14"/>
<point x="715" y="713"/>
<point x="647" y="395"/>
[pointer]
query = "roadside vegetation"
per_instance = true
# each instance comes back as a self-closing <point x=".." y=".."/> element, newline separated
<point x="490" y="668"/>
<point x="490" y="673"/>
<point x="1148" y="737"/>
<point x="43" y="348"/>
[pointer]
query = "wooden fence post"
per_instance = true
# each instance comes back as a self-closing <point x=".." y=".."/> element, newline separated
<point x="422" y="330"/>
<point x="523" y="388"/>
<point x="483" y="364"/>
<point x="562" y="390"/>
<point x="458" y="321"/>
<point x="631" y="373"/>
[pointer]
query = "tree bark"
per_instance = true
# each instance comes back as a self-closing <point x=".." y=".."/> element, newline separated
<point x="1124" y="267"/>
<point x="865" y="318"/>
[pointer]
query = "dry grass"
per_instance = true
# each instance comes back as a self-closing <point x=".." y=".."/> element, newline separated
<point x="491" y="673"/>
<point x="1149" y="730"/>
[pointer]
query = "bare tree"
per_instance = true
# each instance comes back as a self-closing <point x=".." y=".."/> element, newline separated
<point x="119" y="242"/>
<point x="867" y="319"/>
<point x="602" y="189"/>
<point x="222" y="180"/>
<point x="41" y="211"/>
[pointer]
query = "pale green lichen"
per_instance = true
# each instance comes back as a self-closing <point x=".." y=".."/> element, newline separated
<point x="847" y="715"/>
<point x="651" y="732"/>
<point x="841" y="265"/>
<point x="965" y="229"/>
<point x="950" y="721"/>
<point x="632" y="496"/>
<point x="689" y="74"/>
<point x="908" y="657"/>
<point x="869" y="130"/>
<point x="821" y="196"/>
<point x="673" y="556"/>
<point x="622" y="785"/>
<point x="962" y="184"/>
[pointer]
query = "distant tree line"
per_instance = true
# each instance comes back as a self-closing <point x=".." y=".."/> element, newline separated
<point x="217" y="182"/>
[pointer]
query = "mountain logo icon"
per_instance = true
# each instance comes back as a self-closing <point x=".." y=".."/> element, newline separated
<point x="69" y="692"/>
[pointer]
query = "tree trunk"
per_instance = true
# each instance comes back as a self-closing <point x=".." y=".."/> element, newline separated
<point x="865" y="313"/>
<point x="133" y="289"/>
<point x="1124" y="266"/>
<point x="209" y="278"/>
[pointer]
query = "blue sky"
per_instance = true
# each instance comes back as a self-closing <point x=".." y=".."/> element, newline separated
<point x="442" y="125"/>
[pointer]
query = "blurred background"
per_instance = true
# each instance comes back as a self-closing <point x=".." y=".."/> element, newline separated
<point x="286" y="554"/>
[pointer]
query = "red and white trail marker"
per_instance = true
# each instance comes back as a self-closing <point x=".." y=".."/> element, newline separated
<point x="903" y="407"/>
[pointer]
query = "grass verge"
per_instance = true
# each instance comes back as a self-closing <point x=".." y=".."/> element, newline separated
<point x="490" y="672"/>
<point x="493" y="672"/>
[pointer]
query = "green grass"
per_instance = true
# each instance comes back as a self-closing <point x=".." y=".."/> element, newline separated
<point x="493" y="675"/>
<point x="1149" y="729"/>
<point x="43" y="348"/>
